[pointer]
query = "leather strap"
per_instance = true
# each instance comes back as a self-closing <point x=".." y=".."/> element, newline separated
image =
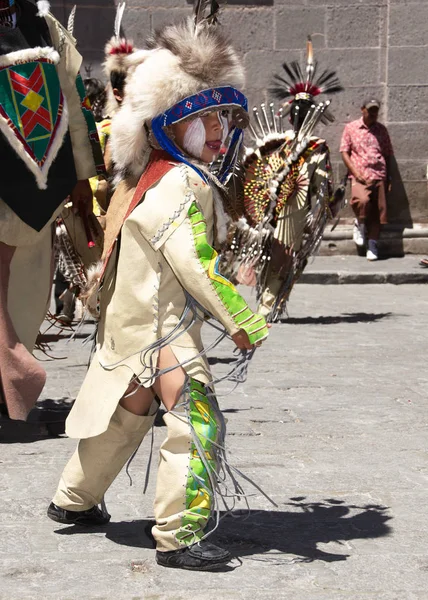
<point x="160" y="164"/>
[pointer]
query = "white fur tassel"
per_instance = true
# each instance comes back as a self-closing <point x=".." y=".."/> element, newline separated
<point x="44" y="8"/>
<point x="89" y="296"/>
<point x="222" y="219"/>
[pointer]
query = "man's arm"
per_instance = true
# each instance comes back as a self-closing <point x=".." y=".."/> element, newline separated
<point x="346" y="157"/>
<point x="345" y="150"/>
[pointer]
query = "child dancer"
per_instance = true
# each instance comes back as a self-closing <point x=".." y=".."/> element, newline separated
<point x="181" y="105"/>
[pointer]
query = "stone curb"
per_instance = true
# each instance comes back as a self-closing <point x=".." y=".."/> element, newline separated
<point x="344" y="277"/>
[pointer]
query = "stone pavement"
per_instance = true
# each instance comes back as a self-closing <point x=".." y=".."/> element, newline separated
<point x="356" y="269"/>
<point x="332" y="422"/>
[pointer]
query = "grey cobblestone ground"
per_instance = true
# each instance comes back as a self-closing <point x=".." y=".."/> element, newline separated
<point x="332" y="422"/>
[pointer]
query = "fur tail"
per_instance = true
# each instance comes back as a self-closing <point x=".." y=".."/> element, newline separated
<point x="89" y="296"/>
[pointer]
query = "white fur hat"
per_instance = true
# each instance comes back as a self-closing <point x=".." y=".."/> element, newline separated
<point x="181" y="60"/>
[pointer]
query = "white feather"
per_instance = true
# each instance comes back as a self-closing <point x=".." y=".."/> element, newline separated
<point x="118" y="20"/>
<point x="70" y="22"/>
<point x="44" y="8"/>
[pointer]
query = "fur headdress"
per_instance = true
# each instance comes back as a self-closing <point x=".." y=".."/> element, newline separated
<point x="116" y="64"/>
<point x="180" y="61"/>
<point x="116" y="67"/>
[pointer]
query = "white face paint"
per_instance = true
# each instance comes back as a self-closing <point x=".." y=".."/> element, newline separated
<point x="195" y="138"/>
<point x="224" y="122"/>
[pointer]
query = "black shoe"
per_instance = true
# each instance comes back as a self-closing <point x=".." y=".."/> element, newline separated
<point x="202" y="556"/>
<point x="87" y="518"/>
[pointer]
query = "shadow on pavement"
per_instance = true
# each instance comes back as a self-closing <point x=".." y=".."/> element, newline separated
<point x="49" y="338"/>
<point x="298" y="532"/>
<point x="215" y="360"/>
<point x="136" y="534"/>
<point x="256" y="532"/>
<point x="46" y="419"/>
<point x="344" y="318"/>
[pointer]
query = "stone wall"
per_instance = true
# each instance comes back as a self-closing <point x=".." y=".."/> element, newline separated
<point x="379" y="47"/>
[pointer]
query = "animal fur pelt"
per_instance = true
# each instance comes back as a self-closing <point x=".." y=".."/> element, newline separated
<point x="181" y="60"/>
<point x="117" y="52"/>
<point x="203" y="53"/>
<point x="89" y="295"/>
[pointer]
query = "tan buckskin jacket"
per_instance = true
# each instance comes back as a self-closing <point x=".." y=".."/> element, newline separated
<point x="165" y="249"/>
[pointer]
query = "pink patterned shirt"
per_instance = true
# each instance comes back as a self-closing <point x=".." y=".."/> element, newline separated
<point x="368" y="147"/>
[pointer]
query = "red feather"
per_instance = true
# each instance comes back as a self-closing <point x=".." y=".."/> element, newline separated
<point x="122" y="47"/>
<point x="305" y="87"/>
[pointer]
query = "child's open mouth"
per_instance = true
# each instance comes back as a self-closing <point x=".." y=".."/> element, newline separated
<point x="215" y="145"/>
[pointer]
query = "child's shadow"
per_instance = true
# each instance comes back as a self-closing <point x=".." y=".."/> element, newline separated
<point x="297" y="531"/>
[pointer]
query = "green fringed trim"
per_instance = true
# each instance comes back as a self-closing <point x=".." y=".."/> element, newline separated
<point x="253" y="324"/>
<point x="198" y="486"/>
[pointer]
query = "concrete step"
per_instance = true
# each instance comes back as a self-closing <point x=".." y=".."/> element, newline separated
<point x="335" y="270"/>
<point x="395" y="241"/>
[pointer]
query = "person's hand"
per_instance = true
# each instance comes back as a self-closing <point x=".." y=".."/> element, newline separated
<point x="82" y="199"/>
<point x="242" y="340"/>
<point x="361" y="179"/>
<point x="389" y="186"/>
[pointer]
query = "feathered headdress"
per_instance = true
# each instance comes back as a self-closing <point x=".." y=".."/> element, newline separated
<point x="181" y="60"/>
<point x="117" y="51"/>
<point x="299" y="85"/>
<point x="308" y="85"/>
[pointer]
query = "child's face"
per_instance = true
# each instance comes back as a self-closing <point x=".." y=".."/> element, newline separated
<point x="202" y="137"/>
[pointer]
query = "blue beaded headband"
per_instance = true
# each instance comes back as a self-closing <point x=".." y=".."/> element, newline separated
<point x="211" y="99"/>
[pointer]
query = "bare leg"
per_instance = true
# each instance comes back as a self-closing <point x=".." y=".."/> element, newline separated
<point x="168" y="387"/>
<point x="137" y="399"/>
